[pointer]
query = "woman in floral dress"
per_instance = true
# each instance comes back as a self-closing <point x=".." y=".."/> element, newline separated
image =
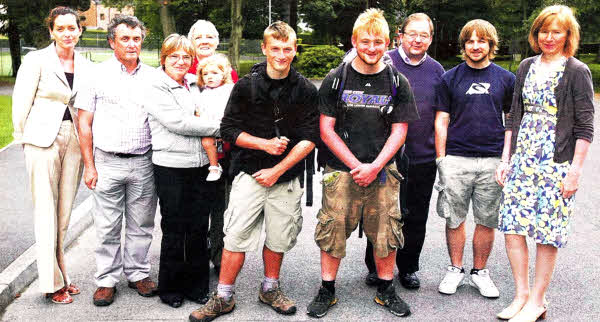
<point x="548" y="133"/>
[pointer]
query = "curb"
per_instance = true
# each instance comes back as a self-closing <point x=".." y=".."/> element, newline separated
<point x="23" y="270"/>
<point x="7" y="146"/>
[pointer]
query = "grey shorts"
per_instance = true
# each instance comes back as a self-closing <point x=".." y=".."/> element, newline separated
<point x="251" y="204"/>
<point x="466" y="179"/>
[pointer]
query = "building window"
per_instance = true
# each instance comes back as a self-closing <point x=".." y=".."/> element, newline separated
<point x="101" y="16"/>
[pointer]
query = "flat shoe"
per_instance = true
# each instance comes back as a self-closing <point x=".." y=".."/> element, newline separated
<point x="73" y="289"/>
<point x="62" y="296"/>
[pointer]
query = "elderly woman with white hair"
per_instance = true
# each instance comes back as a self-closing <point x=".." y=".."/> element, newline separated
<point x="205" y="38"/>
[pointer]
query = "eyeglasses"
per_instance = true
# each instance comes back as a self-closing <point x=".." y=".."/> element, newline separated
<point x="414" y="35"/>
<point x="176" y="58"/>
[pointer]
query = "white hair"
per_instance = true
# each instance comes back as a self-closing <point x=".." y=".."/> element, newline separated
<point x="203" y="25"/>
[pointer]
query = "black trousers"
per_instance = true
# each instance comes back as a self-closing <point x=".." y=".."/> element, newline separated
<point x="215" y="232"/>
<point x="185" y="200"/>
<point x="419" y="186"/>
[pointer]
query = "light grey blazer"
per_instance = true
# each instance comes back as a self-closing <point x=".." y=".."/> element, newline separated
<point x="41" y="94"/>
<point x="176" y="132"/>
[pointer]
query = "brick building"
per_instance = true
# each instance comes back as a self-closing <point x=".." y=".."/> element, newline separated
<point x="98" y="16"/>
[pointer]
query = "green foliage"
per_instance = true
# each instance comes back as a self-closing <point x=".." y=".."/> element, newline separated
<point x="5" y="120"/>
<point x="595" y="69"/>
<point x="332" y="20"/>
<point x="319" y="60"/>
<point x="29" y="16"/>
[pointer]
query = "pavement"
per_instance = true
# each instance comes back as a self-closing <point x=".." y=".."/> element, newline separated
<point x="572" y="294"/>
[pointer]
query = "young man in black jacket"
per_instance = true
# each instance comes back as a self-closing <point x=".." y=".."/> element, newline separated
<point x="272" y="118"/>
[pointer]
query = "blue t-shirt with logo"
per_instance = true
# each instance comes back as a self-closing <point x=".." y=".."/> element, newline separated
<point x="475" y="100"/>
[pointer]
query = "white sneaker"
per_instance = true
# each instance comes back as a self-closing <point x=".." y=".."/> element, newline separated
<point x="453" y="279"/>
<point x="214" y="173"/>
<point x="482" y="281"/>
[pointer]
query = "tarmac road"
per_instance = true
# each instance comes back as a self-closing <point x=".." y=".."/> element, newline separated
<point x="16" y="225"/>
<point x="573" y="293"/>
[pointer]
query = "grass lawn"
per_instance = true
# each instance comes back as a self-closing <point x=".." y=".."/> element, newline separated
<point x="6" y="127"/>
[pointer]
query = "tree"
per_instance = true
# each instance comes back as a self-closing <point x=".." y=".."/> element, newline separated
<point x="26" y="21"/>
<point x="236" y="33"/>
<point x="166" y="19"/>
<point x="332" y="20"/>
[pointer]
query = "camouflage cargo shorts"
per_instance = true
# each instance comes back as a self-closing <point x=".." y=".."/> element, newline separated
<point x="345" y="203"/>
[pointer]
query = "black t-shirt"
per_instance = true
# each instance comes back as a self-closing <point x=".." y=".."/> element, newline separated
<point x="363" y="126"/>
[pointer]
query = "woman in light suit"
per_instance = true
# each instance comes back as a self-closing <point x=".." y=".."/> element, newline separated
<point x="43" y="120"/>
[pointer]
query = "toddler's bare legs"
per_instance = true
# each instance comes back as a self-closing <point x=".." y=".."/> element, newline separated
<point x="215" y="170"/>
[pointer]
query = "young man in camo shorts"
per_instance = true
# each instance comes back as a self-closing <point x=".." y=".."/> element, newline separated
<point x="364" y="127"/>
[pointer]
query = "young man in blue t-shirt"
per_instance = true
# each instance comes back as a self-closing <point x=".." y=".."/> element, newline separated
<point x="469" y="136"/>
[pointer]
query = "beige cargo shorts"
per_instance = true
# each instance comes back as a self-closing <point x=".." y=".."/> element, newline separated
<point x="345" y="203"/>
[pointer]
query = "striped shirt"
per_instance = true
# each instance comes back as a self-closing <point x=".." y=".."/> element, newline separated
<point x="116" y="98"/>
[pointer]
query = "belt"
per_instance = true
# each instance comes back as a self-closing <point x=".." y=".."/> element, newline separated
<point x="126" y="155"/>
<point x="539" y="109"/>
<point x="122" y="155"/>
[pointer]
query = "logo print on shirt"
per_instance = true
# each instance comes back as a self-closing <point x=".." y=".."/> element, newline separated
<point x="360" y="99"/>
<point x="368" y="85"/>
<point x="478" y="89"/>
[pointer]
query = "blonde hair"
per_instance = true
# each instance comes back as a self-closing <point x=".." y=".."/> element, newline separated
<point x="484" y="30"/>
<point x="279" y="30"/>
<point x="173" y="43"/>
<point x="373" y="22"/>
<point x="221" y="62"/>
<point x="203" y="25"/>
<point x="565" y="18"/>
<point x="419" y="16"/>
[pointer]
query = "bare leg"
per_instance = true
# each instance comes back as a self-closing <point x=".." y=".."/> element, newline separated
<point x="329" y="266"/>
<point x="545" y="259"/>
<point x="208" y="144"/>
<point x="231" y="265"/>
<point x="455" y="239"/>
<point x="483" y="241"/>
<point x="272" y="263"/>
<point x="385" y="266"/>
<point x="518" y="256"/>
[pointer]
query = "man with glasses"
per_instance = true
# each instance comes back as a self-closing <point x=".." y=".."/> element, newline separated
<point x="423" y="73"/>
<point x="114" y="135"/>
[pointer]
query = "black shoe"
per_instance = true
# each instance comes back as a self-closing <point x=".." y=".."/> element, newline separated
<point x="321" y="303"/>
<point x="174" y="301"/>
<point x="392" y="302"/>
<point x="199" y="300"/>
<point x="409" y="280"/>
<point x="372" y="279"/>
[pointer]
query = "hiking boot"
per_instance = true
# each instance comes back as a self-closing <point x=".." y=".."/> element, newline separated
<point x="277" y="300"/>
<point x="453" y="279"/>
<point x="214" y="308"/>
<point x="482" y="281"/>
<point x="392" y="302"/>
<point x="321" y="304"/>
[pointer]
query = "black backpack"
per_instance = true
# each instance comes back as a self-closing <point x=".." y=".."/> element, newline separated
<point x="339" y="81"/>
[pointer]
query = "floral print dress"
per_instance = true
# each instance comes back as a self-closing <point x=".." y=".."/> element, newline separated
<point x="532" y="203"/>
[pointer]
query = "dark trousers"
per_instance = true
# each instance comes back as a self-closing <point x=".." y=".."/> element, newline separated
<point x="419" y="186"/>
<point x="185" y="200"/>
<point x="215" y="232"/>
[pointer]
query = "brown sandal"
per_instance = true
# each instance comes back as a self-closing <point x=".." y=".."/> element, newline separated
<point x="62" y="296"/>
<point x="73" y="289"/>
